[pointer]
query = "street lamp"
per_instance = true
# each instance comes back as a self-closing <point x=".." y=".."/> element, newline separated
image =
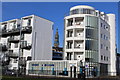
<point x="82" y="70"/>
<point x="20" y="28"/>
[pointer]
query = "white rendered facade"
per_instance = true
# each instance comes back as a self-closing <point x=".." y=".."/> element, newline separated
<point x="33" y="32"/>
<point x="90" y="37"/>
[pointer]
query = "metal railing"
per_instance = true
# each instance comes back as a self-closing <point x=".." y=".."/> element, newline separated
<point x="16" y="31"/>
<point x="25" y="45"/>
<point x="3" y="47"/>
<point x="73" y="74"/>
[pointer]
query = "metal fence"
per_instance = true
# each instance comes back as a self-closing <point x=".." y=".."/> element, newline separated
<point x="73" y="74"/>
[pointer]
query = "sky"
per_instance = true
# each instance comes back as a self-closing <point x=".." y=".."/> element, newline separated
<point x="54" y="11"/>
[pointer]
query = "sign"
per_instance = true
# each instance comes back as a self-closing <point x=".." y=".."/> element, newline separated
<point x="87" y="65"/>
<point x="35" y="64"/>
<point x="47" y="64"/>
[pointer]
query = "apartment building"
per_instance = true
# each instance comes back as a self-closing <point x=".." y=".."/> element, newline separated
<point x="89" y="37"/>
<point x="28" y="38"/>
<point x="118" y="64"/>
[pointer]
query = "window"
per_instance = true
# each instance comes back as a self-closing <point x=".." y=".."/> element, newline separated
<point x="68" y="56"/>
<point x="104" y="58"/>
<point x="104" y="27"/>
<point x="101" y="35"/>
<point x="14" y="25"/>
<point x="101" y="24"/>
<point x="96" y="13"/>
<point x="107" y="58"/>
<point x="15" y="60"/>
<point x="16" y="45"/>
<point x="104" y="37"/>
<point x="90" y="45"/>
<point x="76" y="11"/>
<point x="101" y="57"/>
<point x="107" y="48"/>
<point x="69" y="45"/>
<point x="90" y="33"/>
<point x="18" y="26"/>
<point x="69" y="33"/>
<point x="101" y="46"/>
<point x="29" y="22"/>
<point x="82" y="11"/>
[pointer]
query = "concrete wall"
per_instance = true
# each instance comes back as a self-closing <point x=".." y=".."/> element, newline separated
<point x="104" y="41"/>
<point x="42" y="39"/>
<point x="112" y="43"/>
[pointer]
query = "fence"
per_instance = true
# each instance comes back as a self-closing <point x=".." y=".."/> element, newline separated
<point x="72" y="74"/>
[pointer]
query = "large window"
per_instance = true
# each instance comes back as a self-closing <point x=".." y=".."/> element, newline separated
<point x="90" y="45"/>
<point x="82" y="11"/>
<point x="91" y="33"/>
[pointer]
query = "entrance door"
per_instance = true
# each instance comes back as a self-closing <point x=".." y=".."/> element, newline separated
<point x="73" y="71"/>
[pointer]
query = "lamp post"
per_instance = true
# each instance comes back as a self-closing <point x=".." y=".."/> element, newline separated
<point x="82" y="70"/>
<point x="18" y="71"/>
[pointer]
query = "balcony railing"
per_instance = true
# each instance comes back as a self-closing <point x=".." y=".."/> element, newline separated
<point x="3" y="47"/>
<point x="12" y="54"/>
<point x="13" y="39"/>
<point x="25" y="45"/>
<point x="69" y="47"/>
<point x="16" y="31"/>
<point x="79" y="23"/>
<point x="27" y="29"/>
<point x="78" y="47"/>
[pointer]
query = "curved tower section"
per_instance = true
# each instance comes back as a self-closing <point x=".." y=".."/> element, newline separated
<point x="81" y="34"/>
<point x="88" y="39"/>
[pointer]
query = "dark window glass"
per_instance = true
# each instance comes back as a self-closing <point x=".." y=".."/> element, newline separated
<point x="90" y="45"/>
<point x="29" y="22"/>
<point x="104" y="37"/>
<point x="101" y="35"/>
<point x="107" y="48"/>
<point x="91" y="33"/>
<point x="107" y="58"/>
<point x="82" y="11"/>
<point x="101" y="24"/>
<point x="101" y="57"/>
<point x="104" y="58"/>
<point x="101" y="46"/>
<point x="104" y="27"/>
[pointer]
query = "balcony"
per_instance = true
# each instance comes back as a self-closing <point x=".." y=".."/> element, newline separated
<point x="70" y="22"/>
<point x="16" y="31"/>
<point x="25" y="45"/>
<point x="12" y="54"/>
<point x="22" y="61"/>
<point x="27" y="29"/>
<point x="13" y="39"/>
<point x="3" y="33"/>
<point x="3" y="47"/>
